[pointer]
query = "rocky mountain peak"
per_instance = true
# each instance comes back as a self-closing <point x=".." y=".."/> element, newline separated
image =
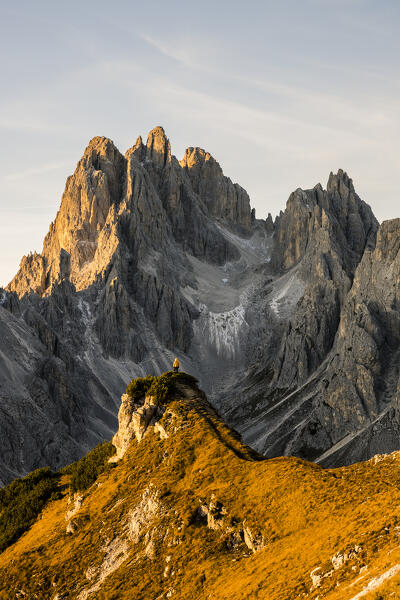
<point x="158" y="147"/>
<point x="340" y="182"/>
<point x="223" y="199"/>
<point x="101" y="146"/>
<point x="338" y="210"/>
<point x="150" y="257"/>
<point x="195" y="158"/>
<point x="90" y="195"/>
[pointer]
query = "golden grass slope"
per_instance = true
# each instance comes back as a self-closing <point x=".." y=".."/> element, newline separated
<point x="197" y="515"/>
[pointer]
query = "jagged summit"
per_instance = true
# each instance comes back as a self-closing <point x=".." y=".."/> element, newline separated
<point x="149" y="258"/>
<point x="158" y="146"/>
<point x="157" y="149"/>
<point x="340" y="181"/>
<point x="97" y="198"/>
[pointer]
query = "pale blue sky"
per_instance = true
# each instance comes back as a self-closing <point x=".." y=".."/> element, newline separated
<point x="281" y="93"/>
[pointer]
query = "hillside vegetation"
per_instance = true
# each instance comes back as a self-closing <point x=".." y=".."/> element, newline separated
<point x="22" y="500"/>
<point x="192" y="513"/>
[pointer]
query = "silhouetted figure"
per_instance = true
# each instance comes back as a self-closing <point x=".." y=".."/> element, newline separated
<point x="175" y="366"/>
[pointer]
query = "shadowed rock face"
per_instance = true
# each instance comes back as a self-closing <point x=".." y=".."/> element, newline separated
<point x="223" y="199"/>
<point x="284" y="322"/>
<point x="103" y="301"/>
<point x="303" y="395"/>
<point x="325" y="234"/>
<point x="367" y="358"/>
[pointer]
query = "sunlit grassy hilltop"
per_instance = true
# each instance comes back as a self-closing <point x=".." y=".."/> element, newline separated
<point x="191" y="513"/>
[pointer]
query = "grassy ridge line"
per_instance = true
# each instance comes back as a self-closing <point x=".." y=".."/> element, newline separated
<point x="23" y="499"/>
<point x="305" y="514"/>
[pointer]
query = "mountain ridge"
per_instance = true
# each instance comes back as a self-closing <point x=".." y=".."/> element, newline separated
<point x="189" y="511"/>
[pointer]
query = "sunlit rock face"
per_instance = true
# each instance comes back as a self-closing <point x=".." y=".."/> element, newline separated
<point x="149" y="258"/>
<point x="105" y="300"/>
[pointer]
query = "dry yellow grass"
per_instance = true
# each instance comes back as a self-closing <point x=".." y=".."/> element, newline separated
<point x="306" y="516"/>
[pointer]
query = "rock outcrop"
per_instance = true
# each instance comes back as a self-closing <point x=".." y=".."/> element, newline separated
<point x="134" y="420"/>
<point x="363" y="401"/>
<point x="328" y="232"/>
<point x="318" y="244"/>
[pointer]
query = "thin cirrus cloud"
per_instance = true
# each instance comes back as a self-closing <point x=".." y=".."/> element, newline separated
<point x="348" y="110"/>
<point x="38" y="170"/>
<point x="280" y="94"/>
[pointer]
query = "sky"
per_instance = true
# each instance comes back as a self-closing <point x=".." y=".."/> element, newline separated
<point x="280" y="93"/>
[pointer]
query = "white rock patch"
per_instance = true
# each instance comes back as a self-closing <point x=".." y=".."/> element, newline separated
<point x="376" y="582"/>
<point x="287" y="292"/>
<point x="222" y="330"/>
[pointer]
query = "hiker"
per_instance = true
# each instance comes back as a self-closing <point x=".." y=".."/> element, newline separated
<point x="175" y="366"/>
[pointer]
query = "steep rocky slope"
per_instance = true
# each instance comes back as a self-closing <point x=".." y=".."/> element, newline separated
<point x="108" y="285"/>
<point x="190" y="512"/>
<point x="282" y="402"/>
<point x="149" y="258"/>
<point x="345" y="407"/>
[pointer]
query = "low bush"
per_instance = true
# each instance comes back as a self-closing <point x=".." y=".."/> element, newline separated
<point x="161" y="388"/>
<point x="138" y="388"/>
<point x="85" y="471"/>
<point x="21" y="502"/>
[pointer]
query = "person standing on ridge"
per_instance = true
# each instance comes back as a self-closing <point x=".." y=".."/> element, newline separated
<point x="175" y="366"/>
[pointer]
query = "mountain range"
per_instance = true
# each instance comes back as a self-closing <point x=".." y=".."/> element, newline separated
<point x="291" y="325"/>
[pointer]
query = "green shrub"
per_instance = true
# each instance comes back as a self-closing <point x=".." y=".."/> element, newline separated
<point x="161" y="388"/>
<point x="85" y="471"/>
<point x="138" y="388"/>
<point x="21" y="502"/>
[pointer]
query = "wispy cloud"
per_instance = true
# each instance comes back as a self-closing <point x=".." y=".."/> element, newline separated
<point x="170" y="52"/>
<point x="315" y="102"/>
<point x="38" y="170"/>
<point x="280" y="93"/>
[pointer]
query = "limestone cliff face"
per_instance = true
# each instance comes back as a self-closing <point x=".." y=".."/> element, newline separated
<point x="362" y="383"/>
<point x="120" y="231"/>
<point x="343" y="407"/>
<point x="325" y="234"/>
<point x="53" y="407"/>
<point x="319" y="243"/>
<point x="350" y="221"/>
<point x="351" y="409"/>
<point x="183" y="205"/>
<point x="143" y="199"/>
<point x="31" y="275"/>
<point x="108" y="286"/>
<point x="82" y="225"/>
<point x="223" y="199"/>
